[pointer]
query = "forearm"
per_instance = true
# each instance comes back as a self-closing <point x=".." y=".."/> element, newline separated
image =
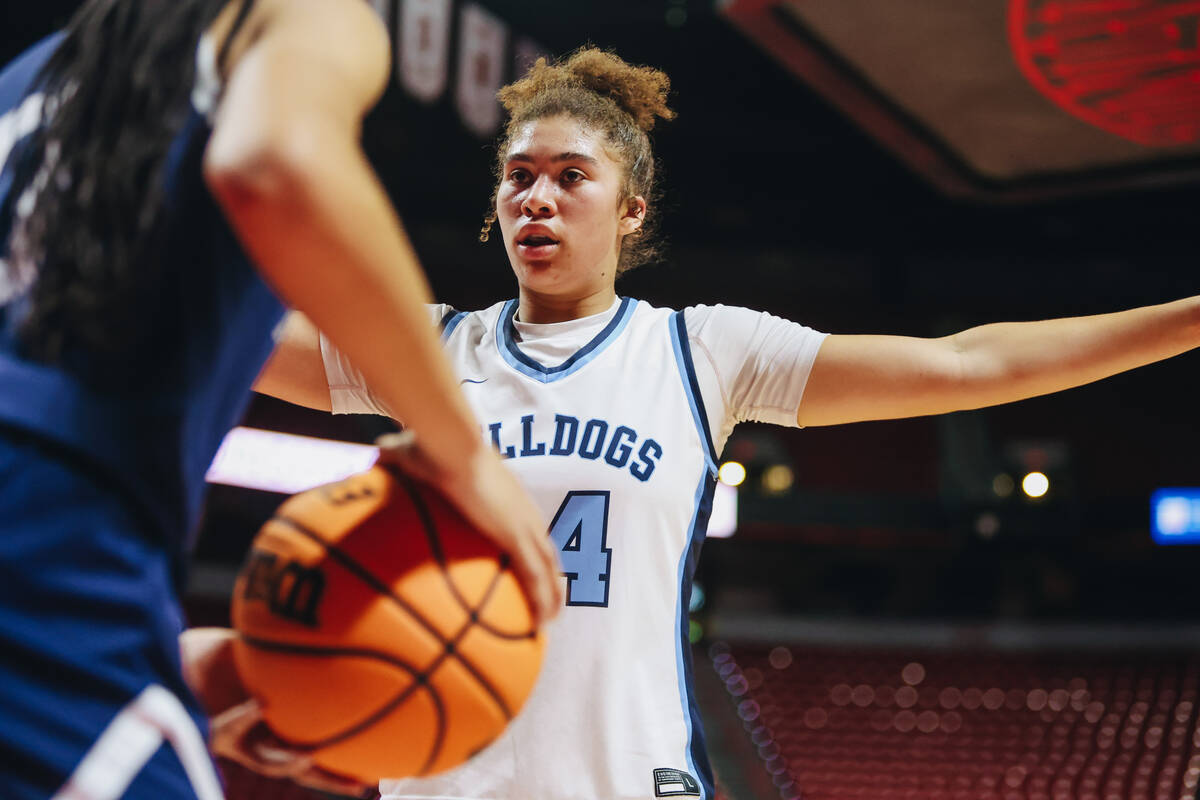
<point x="1011" y="361"/>
<point x="857" y="378"/>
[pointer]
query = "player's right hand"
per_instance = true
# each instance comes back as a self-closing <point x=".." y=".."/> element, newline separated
<point x="240" y="735"/>
<point x="490" y="496"/>
<point x="237" y="730"/>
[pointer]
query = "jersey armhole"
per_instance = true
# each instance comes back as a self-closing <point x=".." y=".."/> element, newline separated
<point x="691" y="387"/>
<point x="449" y="321"/>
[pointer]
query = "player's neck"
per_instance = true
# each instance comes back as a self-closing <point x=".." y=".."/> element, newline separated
<point x="541" y="309"/>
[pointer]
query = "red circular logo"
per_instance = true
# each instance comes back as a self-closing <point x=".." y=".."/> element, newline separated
<point x="1131" y="67"/>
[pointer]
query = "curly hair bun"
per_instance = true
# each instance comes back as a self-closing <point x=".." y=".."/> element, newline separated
<point x="639" y="91"/>
<point x="609" y="98"/>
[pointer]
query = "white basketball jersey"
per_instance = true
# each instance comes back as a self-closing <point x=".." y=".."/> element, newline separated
<point x="614" y="445"/>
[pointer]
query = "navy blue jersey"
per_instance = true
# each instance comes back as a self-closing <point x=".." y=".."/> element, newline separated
<point x="154" y="417"/>
<point x="102" y="463"/>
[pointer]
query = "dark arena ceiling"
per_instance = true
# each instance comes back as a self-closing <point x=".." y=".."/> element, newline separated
<point x="832" y="115"/>
<point x="1007" y="97"/>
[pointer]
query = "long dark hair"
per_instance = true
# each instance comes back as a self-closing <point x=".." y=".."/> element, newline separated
<point x="115" y="96"/>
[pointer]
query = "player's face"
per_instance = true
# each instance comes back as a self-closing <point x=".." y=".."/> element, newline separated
<point x="560" y="209"/>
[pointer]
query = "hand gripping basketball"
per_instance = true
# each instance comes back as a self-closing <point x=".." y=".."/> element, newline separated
<point x="240" y="735"/>
<point x="498" y="506"/>
<point x="380" y="634"/>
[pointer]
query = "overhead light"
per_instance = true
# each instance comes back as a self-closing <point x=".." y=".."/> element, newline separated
<point x="1035" y="484"/>
<point x="777" y="479"/>
<point x="732" y="473"/>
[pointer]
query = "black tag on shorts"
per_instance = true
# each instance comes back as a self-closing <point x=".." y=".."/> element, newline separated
<point x="674" y="783"/>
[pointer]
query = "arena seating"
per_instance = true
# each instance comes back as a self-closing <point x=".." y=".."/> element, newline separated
<point x="887" y="724"/>
<point x="838" y="724"/>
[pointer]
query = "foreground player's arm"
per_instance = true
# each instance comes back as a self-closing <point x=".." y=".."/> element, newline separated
<point x="285" y="164"/>
<point x="856" y="378"/>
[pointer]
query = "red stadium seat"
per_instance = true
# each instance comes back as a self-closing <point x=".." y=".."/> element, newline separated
<point x="834" y="725"/>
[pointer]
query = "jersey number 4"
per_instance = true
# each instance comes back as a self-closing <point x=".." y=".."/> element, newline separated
<point x="580" y="530"/>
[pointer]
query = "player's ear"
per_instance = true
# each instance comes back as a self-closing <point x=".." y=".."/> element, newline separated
<point x="633" y="215"/>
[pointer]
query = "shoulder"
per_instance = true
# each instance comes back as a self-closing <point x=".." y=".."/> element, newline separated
<point x="705" y="314"/>
<point x="704" y="320"/>
<point x="646" y="311"/>
<point x="733" y="318"/>
<point x="451" y="319"/>
<point x="487" y="315"/>
<point x="707" y="321"/>
<point x="344" y="35"/>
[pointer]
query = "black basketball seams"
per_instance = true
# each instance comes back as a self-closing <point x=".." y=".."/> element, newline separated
<point x="383" y="589"/>
<point x="474" y="613"/>
<point x="360" y="572"/>
<point x="420" y="680"/>
<point x="435" y="547"/>
<point x="439" y="736"/>
<point x="451" y="649"/>
<point x="435" y="543"/>
<point x="292" y="648"/>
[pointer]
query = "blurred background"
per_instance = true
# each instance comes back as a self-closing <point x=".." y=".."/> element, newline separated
<point x="898" y="612"/>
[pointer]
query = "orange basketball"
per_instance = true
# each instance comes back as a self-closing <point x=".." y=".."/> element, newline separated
<point x="379" y="631"/>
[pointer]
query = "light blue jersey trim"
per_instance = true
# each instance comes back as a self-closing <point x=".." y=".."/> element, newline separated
<point x="683" y="358"/>
<point x="451" y="321"/>
<point x="507" y="345"/>
<point x="697" y="753"/>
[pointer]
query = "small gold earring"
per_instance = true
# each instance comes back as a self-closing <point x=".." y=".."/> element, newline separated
<point x="486" y="230"/>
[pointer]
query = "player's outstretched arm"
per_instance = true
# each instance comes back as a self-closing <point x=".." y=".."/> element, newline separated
<point x="295" y="371"/>
<point x="286" y="166"/>
<point x="858" y="378"/>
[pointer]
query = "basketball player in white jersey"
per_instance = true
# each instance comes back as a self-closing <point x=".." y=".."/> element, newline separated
<point x="612" y="412"/>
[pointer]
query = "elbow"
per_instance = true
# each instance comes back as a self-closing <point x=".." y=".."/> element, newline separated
<point x="271" y="168"/>
<point x="1192" y="306"/>
<point x="237" y="185"/>
<point x="967" y="377"/>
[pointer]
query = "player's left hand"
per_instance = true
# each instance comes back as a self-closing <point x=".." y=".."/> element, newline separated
<point x="238" y="731"/>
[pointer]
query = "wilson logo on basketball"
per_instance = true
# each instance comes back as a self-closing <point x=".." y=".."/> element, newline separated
<point x="290" y="589"/>
<point x="347" y="491"/>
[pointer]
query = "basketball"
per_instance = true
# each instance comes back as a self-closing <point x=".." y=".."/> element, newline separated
<point x="379" y="631"/>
